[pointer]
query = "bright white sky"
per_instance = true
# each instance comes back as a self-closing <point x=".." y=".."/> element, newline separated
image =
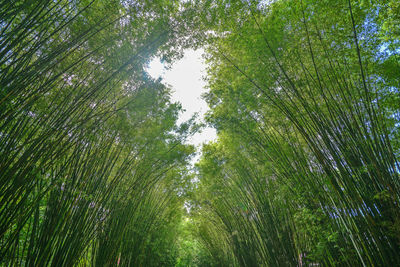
<point x="185" y="78"/>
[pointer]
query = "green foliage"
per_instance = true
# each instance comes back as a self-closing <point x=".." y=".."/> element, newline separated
<point x="305" y="99"/>
<point x="88" y="140"/>
<point x="307" y="126"/>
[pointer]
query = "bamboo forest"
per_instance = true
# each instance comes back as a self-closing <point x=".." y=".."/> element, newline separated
<point x="95" y="164"/>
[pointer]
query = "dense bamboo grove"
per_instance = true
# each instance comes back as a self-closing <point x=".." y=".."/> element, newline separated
<point x="94" y="170"/>
<point x="90" y="153"/>
<point x="305" y="100"/>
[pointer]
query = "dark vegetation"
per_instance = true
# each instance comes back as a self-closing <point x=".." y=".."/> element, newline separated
<point x="94" y="170"/>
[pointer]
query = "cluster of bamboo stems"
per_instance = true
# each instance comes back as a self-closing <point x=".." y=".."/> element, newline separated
<point x="81" y="169"/>
<point x="304" y="169"/>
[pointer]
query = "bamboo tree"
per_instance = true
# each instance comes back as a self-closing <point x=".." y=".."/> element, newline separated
<point x="69" y="72"/>
<point x="292" y="81"/>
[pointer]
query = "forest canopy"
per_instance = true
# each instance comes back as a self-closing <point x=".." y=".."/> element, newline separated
<point x="95" y="169"/>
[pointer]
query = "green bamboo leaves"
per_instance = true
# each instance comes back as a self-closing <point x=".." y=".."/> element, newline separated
<point x="304" y="152"/>
<point x="303" y="94"/>
<point x="84" y="132"/>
